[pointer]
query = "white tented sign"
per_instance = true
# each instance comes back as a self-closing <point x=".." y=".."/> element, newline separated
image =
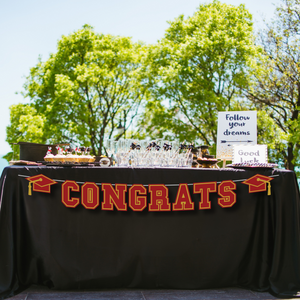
<point x="235" y="128"/>
<point x="250" y="154"/>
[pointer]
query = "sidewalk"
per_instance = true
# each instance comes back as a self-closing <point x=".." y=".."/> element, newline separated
<point x="43" y="293"/>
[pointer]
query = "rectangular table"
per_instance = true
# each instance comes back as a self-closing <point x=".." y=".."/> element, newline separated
<point x="93" y="228"/>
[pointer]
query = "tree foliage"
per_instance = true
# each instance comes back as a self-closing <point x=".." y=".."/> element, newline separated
<point x="87" y="86"/>
<point x="25" y="125"/>
<point x="277" y="89"/>
<point x="196" y="70"/>
<point x="205" y="63"/>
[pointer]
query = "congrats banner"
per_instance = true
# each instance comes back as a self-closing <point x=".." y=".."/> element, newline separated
<point x="121" y="196"/>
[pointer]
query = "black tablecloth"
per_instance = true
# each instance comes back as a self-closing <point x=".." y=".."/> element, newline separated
<point x="254" y="243"/>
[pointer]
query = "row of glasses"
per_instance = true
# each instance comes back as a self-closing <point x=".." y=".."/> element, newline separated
<point x="118" y="150"/>
<point x="147" y="153"/>
<point x="151" y="153"/>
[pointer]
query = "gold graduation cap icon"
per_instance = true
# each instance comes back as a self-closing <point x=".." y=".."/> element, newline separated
<point x="258" y="183"/>
<point x="41" y="183"/>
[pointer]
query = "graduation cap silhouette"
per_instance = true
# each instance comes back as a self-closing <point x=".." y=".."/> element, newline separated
<point x="40" y="183"/>
<point x="258" y="183"/>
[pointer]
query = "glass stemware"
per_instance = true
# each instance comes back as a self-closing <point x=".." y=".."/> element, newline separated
<point x="146" y="153"/>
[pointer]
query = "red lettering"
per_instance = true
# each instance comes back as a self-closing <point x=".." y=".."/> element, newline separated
<point x="114" y="197"/>
<point x="65" y="193"/>
<point x="225" y="191"/>
<point x="136" y="201"/>
<point x="137" y="196"/>
<point x="204" y="188"/>
<point x="159" y="198"/>
<point x="183" y="199"/>
<point x="90" y="195"/>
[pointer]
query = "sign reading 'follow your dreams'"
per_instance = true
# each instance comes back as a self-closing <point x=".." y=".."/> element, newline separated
<point x="235" y="128"/>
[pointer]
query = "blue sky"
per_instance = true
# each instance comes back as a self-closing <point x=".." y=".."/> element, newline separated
<point x="31" y="28"/>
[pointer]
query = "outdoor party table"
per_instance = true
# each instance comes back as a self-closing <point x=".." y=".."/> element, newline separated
<point x="91" y="228"/>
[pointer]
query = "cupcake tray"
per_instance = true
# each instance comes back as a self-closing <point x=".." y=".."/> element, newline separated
<point x="66" y="164"/>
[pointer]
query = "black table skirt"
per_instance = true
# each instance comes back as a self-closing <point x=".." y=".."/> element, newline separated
<point x="252" y="242"/>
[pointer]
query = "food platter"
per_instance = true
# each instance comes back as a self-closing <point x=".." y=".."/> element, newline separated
<point x="207" y="163"/>
<point x="253" y="166"/>
<point x="24" y="163"/>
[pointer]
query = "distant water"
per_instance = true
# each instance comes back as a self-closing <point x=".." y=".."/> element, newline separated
<point x="3" y="163"/>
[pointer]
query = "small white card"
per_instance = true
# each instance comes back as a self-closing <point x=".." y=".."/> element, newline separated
<point x="250" y="154"/>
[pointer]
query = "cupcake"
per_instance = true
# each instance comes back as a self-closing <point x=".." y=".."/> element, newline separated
<point x="91" y="158"/>
<point x="59" y="157"/>
<point x="69" y="158"/>
<point x="83" y="158"/>
<point x="49" y="157"/>
<point x="76" y="156"/>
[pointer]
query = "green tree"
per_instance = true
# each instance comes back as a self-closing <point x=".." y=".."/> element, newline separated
<point x="25" y="125"/>
<point x="270" y="134"/>
<point x="196" y="70"/>
<point x="85" y="88"/>
<point x="277" y="89"/>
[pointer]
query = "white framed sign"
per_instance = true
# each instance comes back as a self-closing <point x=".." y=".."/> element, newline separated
<point x="235" y="128"/>
<point x="250" y="154"/>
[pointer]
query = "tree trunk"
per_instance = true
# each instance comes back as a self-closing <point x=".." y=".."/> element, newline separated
<point x="290" y="156"/>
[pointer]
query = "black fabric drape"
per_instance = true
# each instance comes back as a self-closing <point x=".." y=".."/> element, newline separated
<point x="255" y="244"/>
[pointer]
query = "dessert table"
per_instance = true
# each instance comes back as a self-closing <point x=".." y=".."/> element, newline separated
<point x="89" y="227"/>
